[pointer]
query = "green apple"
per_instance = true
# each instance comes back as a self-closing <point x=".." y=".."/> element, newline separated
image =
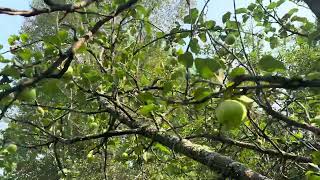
<point x="28" y="95"/>
<point x="230" y="113"/>
<point x="230" y="39"/>
<point x="91" y="118"/>
<point x="41" y="111"/>
<point x="93" y="125"/>
<point x="46" y="121"/>
<point x="12" y="148"/>
<point x="90" y="156"/>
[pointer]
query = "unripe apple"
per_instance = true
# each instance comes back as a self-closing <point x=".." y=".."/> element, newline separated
<point x="93" y="125"/>
<point x="91" y="118"/>
<point x="46" y="121"/>
<point x="230" y="39"/>
<point x="230" y="113"/>
<point x="41" y="111"/>
<point x="28" y="95"/>
<point x="90" y="156"/>
<point x="12" y="148"/>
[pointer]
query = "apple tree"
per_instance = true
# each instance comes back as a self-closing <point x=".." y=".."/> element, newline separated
<point x="146" y="89"/>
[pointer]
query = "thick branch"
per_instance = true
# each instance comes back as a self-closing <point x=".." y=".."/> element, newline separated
<point x="253" y="147"/>
<point x="53" y="8"/>
<point x="290" y="122"/>
<point x="279" y="81"/>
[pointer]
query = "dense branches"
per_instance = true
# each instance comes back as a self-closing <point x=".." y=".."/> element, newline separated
<point x="112" y="84"/>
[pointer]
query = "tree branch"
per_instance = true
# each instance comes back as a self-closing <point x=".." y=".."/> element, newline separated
<point x="278" y="81"/>
<point x="102" y="135"/>
<point x="271" y="152"/>
<point x="53" y="8"/>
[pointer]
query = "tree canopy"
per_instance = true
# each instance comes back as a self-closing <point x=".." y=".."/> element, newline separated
<point x="147" y="89"/>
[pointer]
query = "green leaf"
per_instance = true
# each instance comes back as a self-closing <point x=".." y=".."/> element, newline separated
<point x="24" y="37"/>
<point x="167" y="87"/>
<point x="315" y="156"/>
<point x="141" y="11"/>
<point x="25" y="54"/>
<point x="192" y="17"/>
<point x="119" y="2"/>
<point x="147" y="27"/>
<point x="37" y="55"/>
<point x="241" y="10"/>
<point x="252" y="6"/>
<point x="194" y="45"/>
<point x="186" y="59"/>
<point x="245" y="18"/>
<point x="207" y="67"/>
<point x="12" y="39"/>
<point x="203" y="37"/>
<point x="162" y="148"/>
<point x="50" y="87"/>
<point x="270" y="64"/>
<point x="3" y="60"/>
<point x="231" y="25"/>
<point x="11" y="71"/>
<point x="226" y="17"/>
<point x="210" y="24"/>
<point x="146" y="97"/>
<point x="311" y="175"/>
<point x="280" y="2"/>
<point x="50" y="50"/>
<point x="93" y="76"/>
<point x="245" y="100"/>
<point x="53" y="40"/>
<point x="145" y="110"/>
<point x="299" y="19"/>
<point x="313" y="76"/>
<point x="292" y="11"/>
<point x="272" y="5"/>
<point x="82" y="49"/>
<point x="201" y="93"/>
<point x="274" y="42"/>
<point x="63" y="35"/>
<point x="237" y="72"/>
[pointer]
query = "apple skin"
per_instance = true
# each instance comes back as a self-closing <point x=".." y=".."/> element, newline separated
<point x="93" y="125"/>
<point x="230" y="113"/>
<point x="12" y="148"/>
<point x="41" y="111"/>
<point x="90" y="156"/>
<point x="230" y="39"/>
<point x="28" y="95"/>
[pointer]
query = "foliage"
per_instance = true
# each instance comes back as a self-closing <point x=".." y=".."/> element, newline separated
<point x="106" y="90"/>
